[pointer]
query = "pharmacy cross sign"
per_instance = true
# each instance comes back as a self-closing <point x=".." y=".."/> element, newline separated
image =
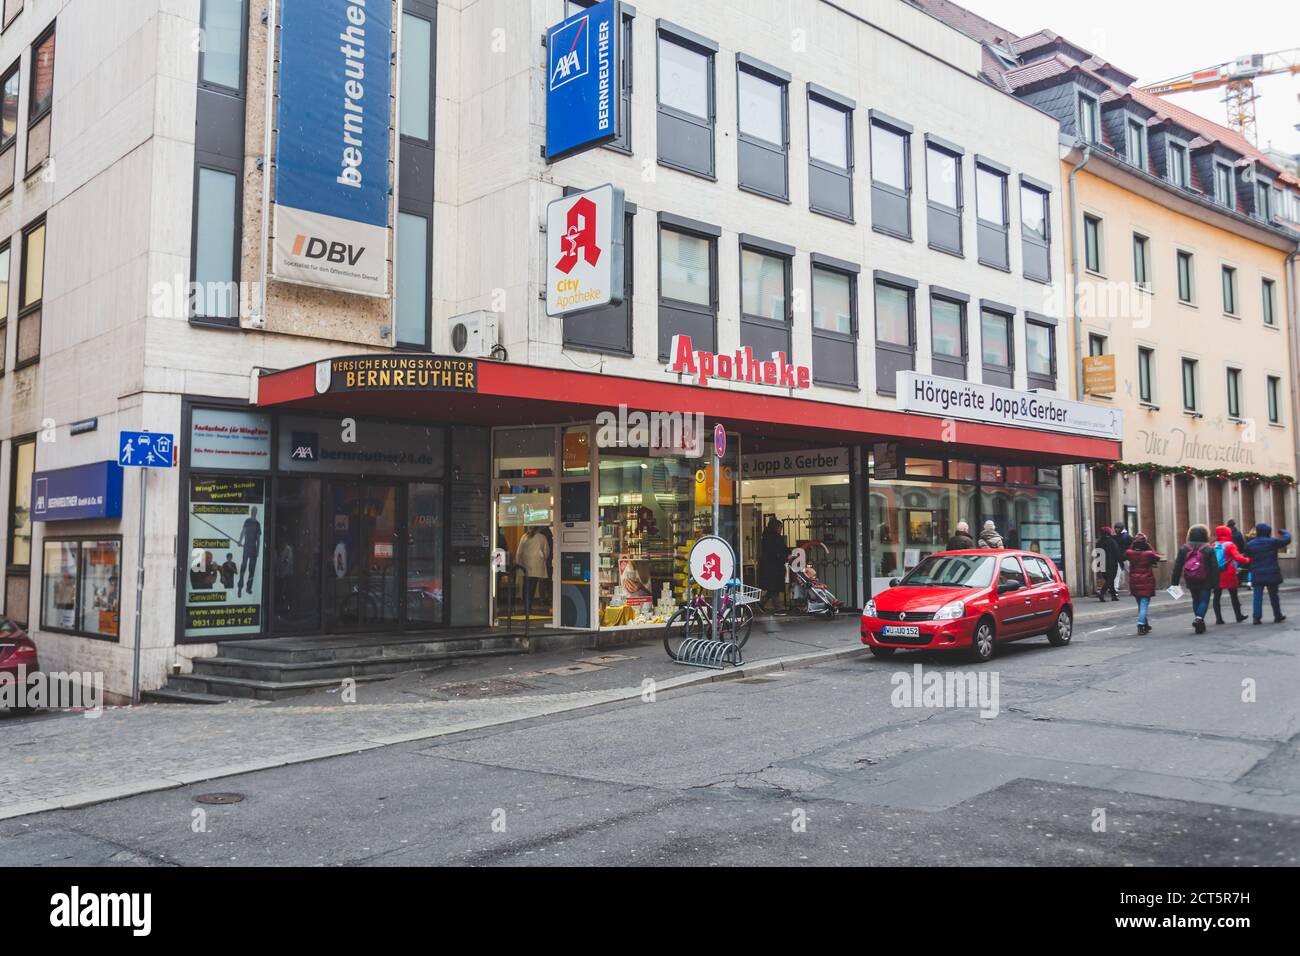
<point x="146" y="449"/>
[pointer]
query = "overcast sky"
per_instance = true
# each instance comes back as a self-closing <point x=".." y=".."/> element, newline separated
<point x="1156" y="40"/>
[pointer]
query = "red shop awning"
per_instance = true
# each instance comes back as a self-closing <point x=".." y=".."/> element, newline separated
<point x="509" y="394"/>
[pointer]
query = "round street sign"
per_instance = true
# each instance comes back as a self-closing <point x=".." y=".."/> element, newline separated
<point x="712" y="562"/>
<point x="719" y="440"/>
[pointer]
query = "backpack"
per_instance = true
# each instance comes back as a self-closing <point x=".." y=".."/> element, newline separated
<point x="1220" y="556"/>
<point x="1195" y="571"/>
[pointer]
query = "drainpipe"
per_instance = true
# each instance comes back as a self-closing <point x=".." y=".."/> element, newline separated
<point x="1081" y="507"/>
<point x="1293" y="313"/>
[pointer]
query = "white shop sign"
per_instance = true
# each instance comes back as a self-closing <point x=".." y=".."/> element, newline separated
<point x="584" y="251"/>
<point x="991" y="405"/>
<point x="796" y="464"/>
<point x="230" y="439"/>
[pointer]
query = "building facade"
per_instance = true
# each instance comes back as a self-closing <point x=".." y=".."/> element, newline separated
<point x="829" y="201"/>
<point x="1180" y="240"/>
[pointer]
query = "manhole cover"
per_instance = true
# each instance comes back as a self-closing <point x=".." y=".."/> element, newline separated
<point x="219" y="798"/>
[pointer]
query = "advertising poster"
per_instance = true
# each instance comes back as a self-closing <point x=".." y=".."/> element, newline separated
<point x="223" y="583"/>
<point x="634" y="577"/>
<point x="333" y="145"/>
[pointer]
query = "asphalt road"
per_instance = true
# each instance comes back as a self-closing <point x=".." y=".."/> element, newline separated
<point x="1171" y="750"/>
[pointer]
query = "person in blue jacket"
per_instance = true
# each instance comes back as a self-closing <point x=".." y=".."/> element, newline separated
<point x="1265" y="572"/>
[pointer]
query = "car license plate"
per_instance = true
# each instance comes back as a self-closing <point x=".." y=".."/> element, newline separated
<point x="902" y="630"/>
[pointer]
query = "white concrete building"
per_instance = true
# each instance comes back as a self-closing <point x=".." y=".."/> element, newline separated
<point x="831" y="181"/>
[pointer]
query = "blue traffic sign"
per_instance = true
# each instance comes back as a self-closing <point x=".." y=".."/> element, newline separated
<point x="145" y="449"/>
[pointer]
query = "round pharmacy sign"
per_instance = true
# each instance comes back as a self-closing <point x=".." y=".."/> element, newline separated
<point x="712" y="562"/>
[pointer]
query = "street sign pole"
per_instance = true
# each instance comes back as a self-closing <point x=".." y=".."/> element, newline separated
<point x="719" y="449"/>
<point x="139" y="587"/>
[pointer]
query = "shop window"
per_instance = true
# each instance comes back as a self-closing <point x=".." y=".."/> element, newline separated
<point x="997" y="347"/>
<point x="923" y="467"/>
<point x="763" y="128"/>
<point x="296" y="550"/>
<point x="943" y="196"/>
<point x="891" y="176"/>
<point x="9" y="89"/>
<point x="688" y="283"/>
<point x="834" y="323"/>
<point x="830" y="154"/>
<point x="895" y="304"/>
<point x="962" y="470"/>
<point x="41" y="104"/>
<point x="414" y="306"/>
<point x="81" y="587"/>
<point x="1035" y="233"/>
<point x="1040" y="354"/>
<point x="226" y="570"/>
<point x="910" y="520"/>
<point x="1027" y="517"/>
<point x="948" y="336"/>
<point x="607" y="329"/>
<point x="991" y="215"/>
<point x="31" y="294"/>
<point x="524" y="452"/>
<point x="687" y="101"/>
<point x="765" y="314"/>
<point x="623" y="143"/>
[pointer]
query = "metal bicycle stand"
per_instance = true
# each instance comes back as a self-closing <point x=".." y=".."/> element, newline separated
<point x="707" y="651"/>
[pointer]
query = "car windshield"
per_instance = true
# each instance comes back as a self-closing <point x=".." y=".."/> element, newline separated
<point x="952" y="571"/>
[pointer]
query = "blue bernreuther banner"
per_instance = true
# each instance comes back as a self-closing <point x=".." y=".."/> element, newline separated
<point x="333" y="144"/>
<point x="84" y="491"/>
<point x="582" y="86"/>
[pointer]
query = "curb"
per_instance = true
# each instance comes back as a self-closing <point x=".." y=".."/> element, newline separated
<point x="87" y="798"/>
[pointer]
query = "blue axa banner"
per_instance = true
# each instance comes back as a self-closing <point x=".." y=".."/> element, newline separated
<point x="77" y="493"/>
<point x="582" y="85"/>
<point x="333" y="144"/>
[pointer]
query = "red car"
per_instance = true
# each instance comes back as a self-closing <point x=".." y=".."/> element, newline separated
<point x="972" y="601"/>
<point x="16" y="650"/>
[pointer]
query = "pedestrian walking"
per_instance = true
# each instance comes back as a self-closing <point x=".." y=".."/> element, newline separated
<point x="1123" y="541"/>
<point x="1227" y="557"/>
<point x="1110" y="564"/>
<point x="1239" y="539"/>
<point x="1195" y="567"/>
<point x="773" y="553"/>
<point x="1141" y="559"/>
<point x="961" y="539"/>
<point x="989" y="537"/>
<point x="1265" y="572"/>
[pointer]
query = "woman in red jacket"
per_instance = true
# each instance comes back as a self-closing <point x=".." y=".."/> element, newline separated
<point x="1141" y="577"/>
<point x="1225" y="550"/>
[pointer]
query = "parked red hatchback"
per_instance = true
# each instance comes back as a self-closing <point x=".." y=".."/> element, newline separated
<point x="970" y="601"/>
<point x="17" y="650"/>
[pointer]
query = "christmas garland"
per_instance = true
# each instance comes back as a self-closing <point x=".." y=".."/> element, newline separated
<point x="1222" y="474"/>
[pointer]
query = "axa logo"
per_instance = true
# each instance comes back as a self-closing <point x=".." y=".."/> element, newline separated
<point x="313" y="247"/>
<point x="306" y="447"/>
<point x="569" y="47"/>
<point x="579" y="233"/>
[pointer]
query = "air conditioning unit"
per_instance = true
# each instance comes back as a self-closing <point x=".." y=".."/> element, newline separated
<point x="474" y="334"/>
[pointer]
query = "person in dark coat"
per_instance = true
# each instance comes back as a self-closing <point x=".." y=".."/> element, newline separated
<point x="772" y="556"/>
<point x="1227" y="558"/>
<point x="1123" y="541"/>
<point x="1141" y="577"/>
<point x="961" y="539"/>
<point x="1265" y="572"/>
<point x="1239" y="539"/>
<point x="1198" y="539"/>
<point x="1110" y="564"/>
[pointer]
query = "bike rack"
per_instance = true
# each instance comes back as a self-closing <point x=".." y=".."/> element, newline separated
<point x="706" y="652"/>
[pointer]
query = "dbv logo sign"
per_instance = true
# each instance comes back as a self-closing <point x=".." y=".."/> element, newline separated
<point x="570" y="50"/>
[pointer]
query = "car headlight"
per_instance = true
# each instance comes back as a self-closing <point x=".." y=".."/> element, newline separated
<point x="951" y="612"/>
<point x="869" y="610"/>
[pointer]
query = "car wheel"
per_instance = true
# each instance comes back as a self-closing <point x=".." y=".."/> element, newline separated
<point x="1062" y="630"/>
<point x="982" y="643"/>
<point x="882" y="651"/>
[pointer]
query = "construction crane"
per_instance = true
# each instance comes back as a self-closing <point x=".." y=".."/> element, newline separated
<point x="1237" y="77"/>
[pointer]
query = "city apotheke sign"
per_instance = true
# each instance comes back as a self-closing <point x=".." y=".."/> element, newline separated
<point x="584" y="251"/>
<point x="991" y="405"/>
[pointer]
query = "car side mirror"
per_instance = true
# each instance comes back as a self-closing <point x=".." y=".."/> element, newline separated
<point x="1006" y="587"/>
<point x="893" y="582"/>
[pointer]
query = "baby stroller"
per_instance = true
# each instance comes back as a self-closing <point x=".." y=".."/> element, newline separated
<point x="817" y="596"/>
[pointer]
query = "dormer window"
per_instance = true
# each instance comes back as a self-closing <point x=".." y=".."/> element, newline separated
<point x="1263" y="195"/>
<point x="1223" y="184"/>
<point x="1089" y="128"/>
<point x="1135" y="143"/>
<point x="1176" y="160"/>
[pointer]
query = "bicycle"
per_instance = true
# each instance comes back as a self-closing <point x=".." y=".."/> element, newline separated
<point x="695" y="618"/>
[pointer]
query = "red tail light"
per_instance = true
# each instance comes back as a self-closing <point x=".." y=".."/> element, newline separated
<point x="15" y="651"/>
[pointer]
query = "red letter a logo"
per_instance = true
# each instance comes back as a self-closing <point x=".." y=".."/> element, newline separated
<point x="580" y="234"/>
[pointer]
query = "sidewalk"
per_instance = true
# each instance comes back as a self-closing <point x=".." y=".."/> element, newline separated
<point x="60" y="760"/>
